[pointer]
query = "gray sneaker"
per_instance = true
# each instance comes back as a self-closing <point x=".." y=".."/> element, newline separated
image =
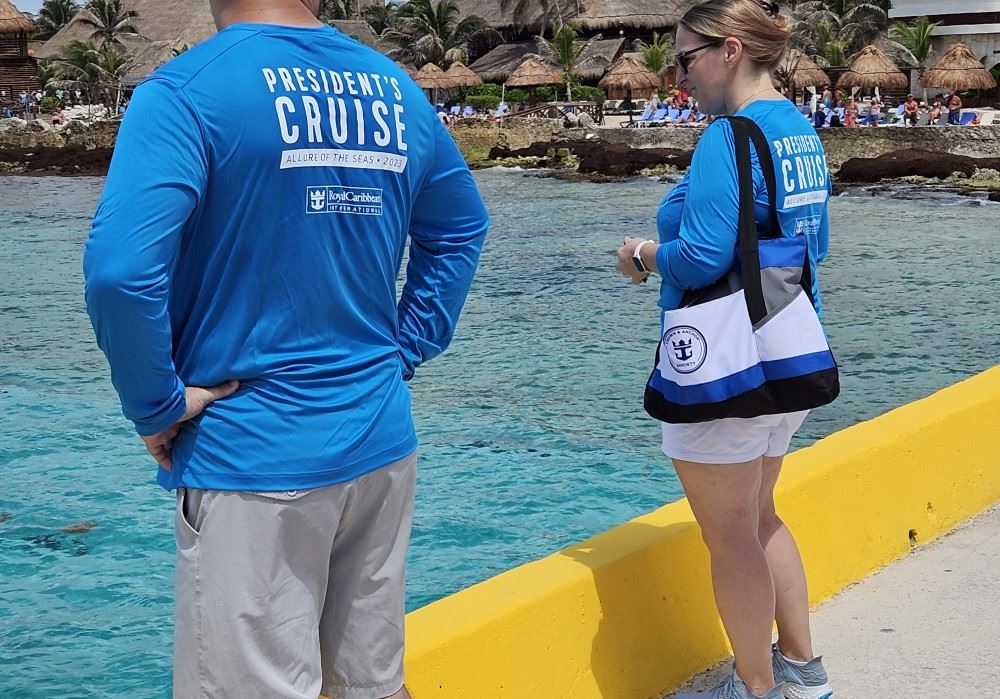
<point x="731" y="688"/>
<point x="807" y="681"/>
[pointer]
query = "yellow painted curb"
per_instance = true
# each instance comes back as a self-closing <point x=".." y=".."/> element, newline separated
<point x="629" y="613"/>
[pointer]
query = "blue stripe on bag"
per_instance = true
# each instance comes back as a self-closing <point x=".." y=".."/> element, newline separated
<point x="711" y="391"/>
<point x="799" y="366"/>
<point x="782" y="252"/>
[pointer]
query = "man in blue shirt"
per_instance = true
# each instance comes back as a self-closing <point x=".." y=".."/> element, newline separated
<point x="241" y="279"/>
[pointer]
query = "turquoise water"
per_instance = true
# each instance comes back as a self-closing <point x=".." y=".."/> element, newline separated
<point x="533" y="435"/>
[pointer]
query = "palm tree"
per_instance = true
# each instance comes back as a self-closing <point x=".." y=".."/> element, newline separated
<point x="110" y="21"/>
<point x="916" y="37"/>
<point x="853" y="23"/>
<point x="54" y="15"/>
<point x="380" y="17"/>
<point x="564" y="51"/>
<point x="657" y="54"/>
<point x="337" y="9"/>
<point x="97" y="68"/>
<point x="429" y="32"/>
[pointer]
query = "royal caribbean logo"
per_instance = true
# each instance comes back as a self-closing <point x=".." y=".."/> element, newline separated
<point x="686" y="348"/>
<point x="337" y="199"/>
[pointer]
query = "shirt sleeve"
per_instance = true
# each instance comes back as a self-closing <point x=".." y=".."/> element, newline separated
<point x="447" y="228"/>
<point x="157" y="175"/>
<point x="705" y="248"/>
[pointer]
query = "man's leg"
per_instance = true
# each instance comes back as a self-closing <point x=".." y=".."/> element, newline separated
<point x="361" y="630"/>
<point x="250" y="582"/>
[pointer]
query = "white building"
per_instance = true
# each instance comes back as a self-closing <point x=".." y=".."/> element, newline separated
<point x="975" y="23"/>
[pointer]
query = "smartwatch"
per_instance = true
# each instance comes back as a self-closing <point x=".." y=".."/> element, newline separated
<point x="637" y="257"/>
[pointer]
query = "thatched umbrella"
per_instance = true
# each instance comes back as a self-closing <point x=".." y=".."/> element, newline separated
<point x="432" y="78"/>
<point x="461" y="76"/>
<point x="798" y="70"/>
<point x="871" y="68"/>
<point x="12" y="21"/>
<point x="626" y="76"/>
<point x="959" y="69"/>
<point x="532" y="74"/>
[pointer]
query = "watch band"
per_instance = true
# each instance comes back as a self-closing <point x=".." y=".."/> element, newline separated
<point x="637" y="257"/>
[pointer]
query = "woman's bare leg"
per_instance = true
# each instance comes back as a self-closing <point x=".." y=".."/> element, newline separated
<point x="790" y="589"/>
<point x="724" y="499"/>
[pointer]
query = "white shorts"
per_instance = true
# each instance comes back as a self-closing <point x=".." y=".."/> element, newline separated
<point x="733" y="440"/>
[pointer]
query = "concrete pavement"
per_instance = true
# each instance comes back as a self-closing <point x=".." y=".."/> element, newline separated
<point x="925" y="627"/>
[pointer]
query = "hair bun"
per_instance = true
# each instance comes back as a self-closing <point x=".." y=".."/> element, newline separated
<point x="770" y="8"/>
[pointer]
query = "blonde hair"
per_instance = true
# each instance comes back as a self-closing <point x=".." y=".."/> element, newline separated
<point x="764" y="35"/>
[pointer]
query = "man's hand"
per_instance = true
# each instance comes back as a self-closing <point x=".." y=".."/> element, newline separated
<point x="161" y="444"/>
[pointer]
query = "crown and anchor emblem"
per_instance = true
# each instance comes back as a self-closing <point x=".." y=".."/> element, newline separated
<point x="317" y="199"/>
<point x="682" y="349"/>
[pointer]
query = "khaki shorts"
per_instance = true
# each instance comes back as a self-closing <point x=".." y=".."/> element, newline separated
<point x="733" y="440"/>
<point x="289" y="595"/>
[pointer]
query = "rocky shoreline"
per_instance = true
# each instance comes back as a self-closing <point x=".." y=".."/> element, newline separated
<point x="595" y="155"/>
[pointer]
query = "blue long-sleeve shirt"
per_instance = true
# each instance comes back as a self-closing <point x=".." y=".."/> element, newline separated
<point x="252" y="227"/>
<point x="698" y="219"/>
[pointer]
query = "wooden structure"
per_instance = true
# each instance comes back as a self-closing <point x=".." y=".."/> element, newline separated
<point x="18" y="69"/>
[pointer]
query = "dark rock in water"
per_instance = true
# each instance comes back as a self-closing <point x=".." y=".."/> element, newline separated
<point x="994" y="196"/>
<point x="67" y="160"/>
<point x="5" y="516"/>
<point x="912" y="162"/>
<point x="602" y="158"/>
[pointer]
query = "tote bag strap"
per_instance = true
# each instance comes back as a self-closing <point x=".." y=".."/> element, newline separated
<point x="763" y="149"/>
<point x="748" y="238"/>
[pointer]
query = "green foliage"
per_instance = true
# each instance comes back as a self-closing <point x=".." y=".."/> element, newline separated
<point x="483" y="102"/>
<point x="915" y="37"/>
<point x="585" y="93"/>
<point x="434" y="33"/>
<point x="564" y="51"/>
<point x="54" y="15"/>
<point x="110" y="21"/>
<point x="48" y="103"/>
<point x="657" y="54"/>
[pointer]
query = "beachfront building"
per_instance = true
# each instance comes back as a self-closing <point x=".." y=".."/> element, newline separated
<point x="975" y="23"/>
<point x="18" y="70"/>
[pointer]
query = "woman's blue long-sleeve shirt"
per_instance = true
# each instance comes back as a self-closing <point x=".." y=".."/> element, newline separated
<point x="697" y="220"/>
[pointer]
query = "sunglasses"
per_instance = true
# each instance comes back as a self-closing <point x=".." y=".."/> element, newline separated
<point x="683" y="59"/>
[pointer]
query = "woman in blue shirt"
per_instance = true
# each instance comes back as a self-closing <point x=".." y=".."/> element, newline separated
<point x="726" y="51"/>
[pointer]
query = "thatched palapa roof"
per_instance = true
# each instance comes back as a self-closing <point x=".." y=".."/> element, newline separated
<point x="461" y="76"/>
<point x="959" y="69"/>
<point x="870" y="67"/>
<point x="798" y="70"/>
<point x="184" y="21"/>
<point x="591" y="15"/>
<point x="12" y="21"/>
<point x="497" y="65"/>
<point x="628" y="76"/>
<point x="430" y="77"/>
<point x="360" y="30"/>
<point x="534" y="73"/>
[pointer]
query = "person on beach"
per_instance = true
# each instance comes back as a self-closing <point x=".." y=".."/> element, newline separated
<point x="851" y="113"/>
<point x="911" y="111"/>
<point x="935" y="113"/>
<point x="954" y="109"/>
<point x="241" y="279"/>
<point x="874" y="112"/>
<point x="725" y="52"/>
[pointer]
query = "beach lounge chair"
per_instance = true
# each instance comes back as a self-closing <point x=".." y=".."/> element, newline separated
<point x="670" y="116"/>
<point x="683" y="116"/>
<point x="468" y="111"/>
<point x="456" y="109"/>
<point x="967" y="118"/>
<point x="655" y="119"/>
<point x="641" y="120"/>
<point x="924" y="120"/>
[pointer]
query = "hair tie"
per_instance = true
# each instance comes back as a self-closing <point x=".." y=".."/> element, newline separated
<point x="771" y="8"/>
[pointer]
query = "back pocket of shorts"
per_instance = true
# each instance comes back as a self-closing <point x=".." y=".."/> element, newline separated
<point x="185" y="518"/>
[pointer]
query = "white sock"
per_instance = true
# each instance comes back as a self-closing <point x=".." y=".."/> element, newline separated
<point x="796" y="663"/>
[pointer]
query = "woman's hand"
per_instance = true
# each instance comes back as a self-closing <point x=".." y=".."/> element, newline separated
<point x="626" y="265"/>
